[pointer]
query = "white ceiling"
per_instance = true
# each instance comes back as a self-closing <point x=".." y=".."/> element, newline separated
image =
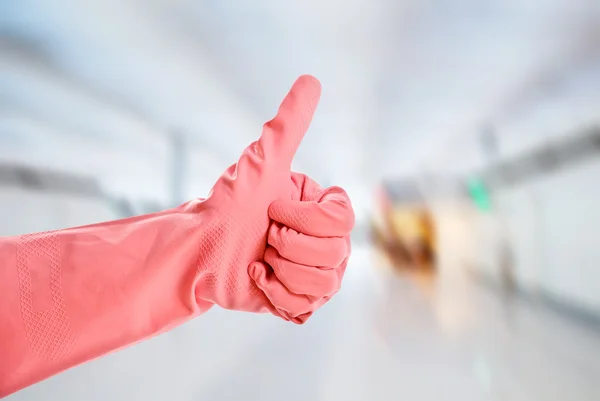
<point x="398" y="76"/>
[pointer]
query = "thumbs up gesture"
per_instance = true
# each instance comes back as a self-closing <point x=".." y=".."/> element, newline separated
<point x="274" y="241"/>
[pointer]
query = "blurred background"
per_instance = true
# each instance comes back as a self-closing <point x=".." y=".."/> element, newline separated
<point x="466" y="132"/>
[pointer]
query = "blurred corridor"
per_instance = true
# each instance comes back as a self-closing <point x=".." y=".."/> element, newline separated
<point x="467" y="134"/>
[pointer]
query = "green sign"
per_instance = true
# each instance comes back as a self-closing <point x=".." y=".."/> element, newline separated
<point x="479" y="194"/>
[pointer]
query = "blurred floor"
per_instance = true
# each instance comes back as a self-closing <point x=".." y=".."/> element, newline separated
<point x="383" y="337"/>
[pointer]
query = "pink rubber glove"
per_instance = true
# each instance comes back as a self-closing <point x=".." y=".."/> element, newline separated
<point x="72" y="295"/>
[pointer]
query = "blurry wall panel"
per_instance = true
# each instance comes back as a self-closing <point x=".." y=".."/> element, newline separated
<point x="569" y="233"/>
<point x="24" y="211"/>
<point x="520" y="211"/>
<point x="490" y="236"/>
<point x="542" y="231"/>
<point x="454" y="236"/>
<point x="454" y="219"/>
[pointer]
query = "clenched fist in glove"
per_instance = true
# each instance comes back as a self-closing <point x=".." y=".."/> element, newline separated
<point x="308" y="249"/>
<point x="265" y="240"/>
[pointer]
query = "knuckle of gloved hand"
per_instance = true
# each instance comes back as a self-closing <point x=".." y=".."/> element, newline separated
<point x="347" y="214"/>
<point x="295" y="306"/>
<point x="303" y="293"/>
<point x="275" y="261"/>
<point x="335" y="192"/>
<point x="333" y="285"/>
<point x="318" y="285"/>
<point x="338" y="254"/>
<point x="343" y="216"/>
<point x="281" y="238"/>
<point x="349" y="221"/>
<point x="328" y="252"/>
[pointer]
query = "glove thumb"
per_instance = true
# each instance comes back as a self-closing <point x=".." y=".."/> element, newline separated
<point x="282" y="135"/>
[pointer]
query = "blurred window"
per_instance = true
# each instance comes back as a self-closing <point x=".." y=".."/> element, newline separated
<point x="33" y="200"/>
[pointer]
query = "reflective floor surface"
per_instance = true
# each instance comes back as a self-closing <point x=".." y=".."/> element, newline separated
<point x="384" y="337"/>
